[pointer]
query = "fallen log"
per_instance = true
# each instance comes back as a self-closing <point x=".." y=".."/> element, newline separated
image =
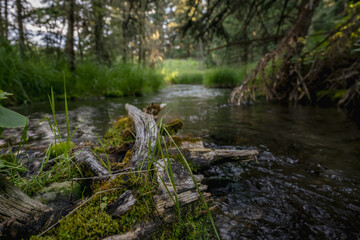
<point x="20" y="215"/>
<point x="146" y="136"/>
<point x="90" y="162"/>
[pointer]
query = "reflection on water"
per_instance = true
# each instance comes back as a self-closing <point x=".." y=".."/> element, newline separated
<point x="306" y="184"/>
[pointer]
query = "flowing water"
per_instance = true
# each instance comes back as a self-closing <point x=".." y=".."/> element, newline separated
<point x="305" y="184"/>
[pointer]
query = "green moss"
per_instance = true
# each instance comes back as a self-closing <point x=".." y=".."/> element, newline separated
<point x="92" y="222"/>
<point x="194" y="225"/>
<point x="89" y="223"/>
<point x="173" y="127"/>
<point x="121" y="132"/>
<point x="60" y="148"/>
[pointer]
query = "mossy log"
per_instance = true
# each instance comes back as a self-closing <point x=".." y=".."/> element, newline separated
<point x="20" y="215"/>
<point x="146" y="135"/>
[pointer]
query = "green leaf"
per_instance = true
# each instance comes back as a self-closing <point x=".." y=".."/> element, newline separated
<point x="103" y="205"/>
<point x="11" y="119"/>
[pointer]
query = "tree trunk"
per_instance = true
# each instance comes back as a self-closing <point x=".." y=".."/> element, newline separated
<point x="1" y="22"/>
<point x="20" y="28"/>
<point x="98" y="9"/>
<point x="6" y="23"/>
<point x="69" y="45"/>
<point x="20" y="215"/>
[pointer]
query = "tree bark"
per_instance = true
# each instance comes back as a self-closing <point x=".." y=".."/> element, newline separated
<point x="19" y="17"/>
<point x="69" y="45"/>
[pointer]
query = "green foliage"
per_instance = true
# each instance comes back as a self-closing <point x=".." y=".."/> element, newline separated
<point x="30" y="79"/>
<point x="222" y="77"/>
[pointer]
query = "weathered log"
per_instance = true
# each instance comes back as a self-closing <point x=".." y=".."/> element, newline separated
<point x="146" y="135"/>
<point x="141" y="231"/>
<point x="206" y="157"/>
<point x="184" y="184"/>
<point x="20" y="215"/>
<point x="90" y="162"/>
<point x="123" y="204"/>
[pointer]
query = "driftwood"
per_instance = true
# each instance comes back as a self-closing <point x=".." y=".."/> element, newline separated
<point x="146" y="134"/>
<point x="20" y="215"/>
<point x="123" y="204"/>
<point x="206" y="157"/>
<point x="90" y="162"/>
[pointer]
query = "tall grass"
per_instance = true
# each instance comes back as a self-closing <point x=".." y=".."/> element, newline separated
<point x="226" y="77"/>
<point x="222" y="77"/>
<point x="30" y="79"/>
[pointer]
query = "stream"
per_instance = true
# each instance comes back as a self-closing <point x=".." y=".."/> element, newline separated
<point x="305" y="184"/>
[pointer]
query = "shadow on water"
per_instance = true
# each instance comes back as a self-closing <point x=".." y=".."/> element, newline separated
<point x="305" y="185"/>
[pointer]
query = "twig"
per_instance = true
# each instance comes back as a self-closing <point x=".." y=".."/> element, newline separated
<point x="113" y="175"/>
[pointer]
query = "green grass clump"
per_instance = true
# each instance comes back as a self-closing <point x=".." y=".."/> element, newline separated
<point x="222" y="77"/>
<point x="60" y="148"/>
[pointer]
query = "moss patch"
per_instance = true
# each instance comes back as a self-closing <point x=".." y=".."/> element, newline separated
<point x="120" y="133"/>
<point x="92" y="222"/>
<point x="194" y="225"/>
<point x="172" y="127"/>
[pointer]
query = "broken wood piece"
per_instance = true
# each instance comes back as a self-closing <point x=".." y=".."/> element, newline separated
<point x="206" y="157"/>
<point x="185" y="187"/>
<point x="141" y="231"/>
<point x="90" y="162"/>
<point x="146" y="136"/>
<point x="123" y="204"/>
